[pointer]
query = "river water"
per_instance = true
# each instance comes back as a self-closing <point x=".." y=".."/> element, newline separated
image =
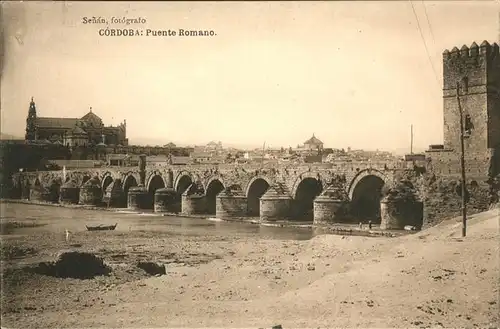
<point x="52" y="218"/>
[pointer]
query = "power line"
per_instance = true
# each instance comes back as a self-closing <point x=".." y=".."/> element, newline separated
<point x="425" y="44"/>
<point x="428" y="22"/>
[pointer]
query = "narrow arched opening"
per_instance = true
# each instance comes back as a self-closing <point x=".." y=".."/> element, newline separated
<point x="105" y="183"/>
<point x="213" y="189"/>
<point x="365" y="203"/>
<point x="307" y="190"/>
<point x="184" y="182"/>
<point x="129" y="182"/>
<point x="255" y="191"/>
<point x="182" y="185"/>
<point x="155" y="183"/>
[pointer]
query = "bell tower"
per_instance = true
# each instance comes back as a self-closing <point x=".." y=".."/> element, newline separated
<point x="31" y="122"/>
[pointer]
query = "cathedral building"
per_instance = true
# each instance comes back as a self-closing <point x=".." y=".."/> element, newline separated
<point x="88" y="130"/>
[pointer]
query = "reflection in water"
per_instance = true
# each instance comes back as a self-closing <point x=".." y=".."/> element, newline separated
<point x="60" y="219"/>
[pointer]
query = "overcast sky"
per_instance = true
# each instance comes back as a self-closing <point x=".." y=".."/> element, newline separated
<point x="354" y="73"/>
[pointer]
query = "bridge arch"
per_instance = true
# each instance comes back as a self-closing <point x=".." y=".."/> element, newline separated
<point x="108" y="173"/>
<point x="213" y="178"/>
<point x="214" y="186"/>
<point x="106" y="180"/>
<point x="302" y="177"/>
<point x="154" y="182"/>
<point x="365" y="193"/>
<point x="86" y="177"/>
<point x="256" y="187"/>
<point x="305" y="189"/>
<point x="128" y="182"/>
<point x="154" y="176"/>
<point x="37" y="182"/>
<point x="182" y="181"/>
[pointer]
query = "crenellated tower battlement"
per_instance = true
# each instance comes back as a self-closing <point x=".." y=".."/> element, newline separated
<point x="486" y="49"/>
<point x="473" y="63"/>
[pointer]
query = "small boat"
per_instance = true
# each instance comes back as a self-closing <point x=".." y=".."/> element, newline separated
<point x="101" y="227"/>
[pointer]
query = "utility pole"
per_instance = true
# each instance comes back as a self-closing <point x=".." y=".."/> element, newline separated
<point x="263" y="152"/>
<point x="411" y="139"/>
<point x="462" y="164"/>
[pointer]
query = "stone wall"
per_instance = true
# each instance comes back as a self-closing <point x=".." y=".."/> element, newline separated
<point x="477" y="167"/>
<point x="398" y="214"/>
<point x="442" y="199"/>
<point x="230" y="206"/>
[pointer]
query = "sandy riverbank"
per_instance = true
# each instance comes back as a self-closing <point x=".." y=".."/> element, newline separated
<point x="431" y="278"/>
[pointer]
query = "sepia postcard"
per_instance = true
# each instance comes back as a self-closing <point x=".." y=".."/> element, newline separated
<point x="250" y="164"/>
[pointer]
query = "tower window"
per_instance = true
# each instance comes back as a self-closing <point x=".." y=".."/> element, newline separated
<point x="465" y="85"/>
<point x="468" y="126"/>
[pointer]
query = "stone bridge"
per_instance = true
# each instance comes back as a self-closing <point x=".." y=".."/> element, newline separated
<point x="228" y="190"/>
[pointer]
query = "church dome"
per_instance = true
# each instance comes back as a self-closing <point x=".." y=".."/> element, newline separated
<point x="313" y="141"/>
<point x="92" y="118"/>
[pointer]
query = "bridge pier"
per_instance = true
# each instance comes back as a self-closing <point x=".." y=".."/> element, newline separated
<point x="165" y="200"/>
<point x="69" y="193"/>
<point x="193" y="200"/>
<point x="397" y="214"/>
<point x="137" y="198"/>
<point x="331" y="206"/>
<point x="401" y="207"/>
<point x="25" y="190"/>
<point x="231" y="203"/>
<point x="114" y="195"/>
<point x="276" y="204"/>
<point x="91" y="193"/>
<point x="36" y="192"/>
<point x="54" y="190"/>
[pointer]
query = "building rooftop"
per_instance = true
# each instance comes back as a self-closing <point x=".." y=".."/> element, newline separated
<point x="313" y="141"/>
<point x="115" y="156"/>
<point x="178" y="160"/>
<point x="66" y="123"/>
<point x="91" y="116"/>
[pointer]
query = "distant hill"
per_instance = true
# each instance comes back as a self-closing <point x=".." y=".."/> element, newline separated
<point x="8" y="136"/>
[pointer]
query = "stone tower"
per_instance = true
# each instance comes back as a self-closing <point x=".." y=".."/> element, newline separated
<point x="477" y="70"/>
<point x="30" y="122"/>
